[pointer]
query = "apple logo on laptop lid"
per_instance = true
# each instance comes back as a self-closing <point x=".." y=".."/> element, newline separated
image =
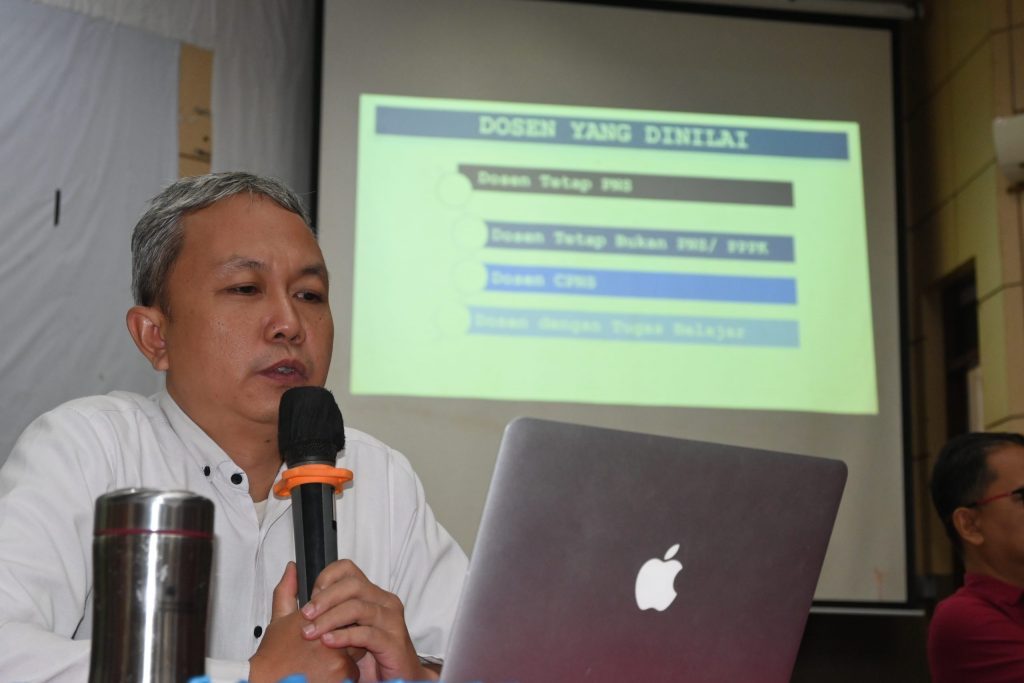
<point x="655" y="581"/>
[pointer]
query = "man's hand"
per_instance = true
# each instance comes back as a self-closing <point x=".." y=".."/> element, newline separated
<point x="284" y="651"/>
<point x="346" y="611"/>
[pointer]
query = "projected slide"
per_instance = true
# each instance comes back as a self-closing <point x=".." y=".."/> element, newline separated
<point x="553" y="253"/>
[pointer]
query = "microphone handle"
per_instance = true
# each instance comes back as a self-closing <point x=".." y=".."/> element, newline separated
<point x="316" y="533"/>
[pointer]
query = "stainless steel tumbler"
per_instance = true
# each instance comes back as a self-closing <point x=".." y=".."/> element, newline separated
<point x="151" y="564"/>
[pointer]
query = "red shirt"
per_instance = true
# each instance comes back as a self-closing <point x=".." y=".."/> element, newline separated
<point x="977" y="634"/>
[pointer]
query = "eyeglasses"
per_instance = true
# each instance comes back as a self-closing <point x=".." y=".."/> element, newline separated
<point x="1016" y="492"/>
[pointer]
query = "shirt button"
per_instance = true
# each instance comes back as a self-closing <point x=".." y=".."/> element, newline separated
<point x="206" y="470"/>
<point x="236" y="478"/>
<point x="258" y="631"/>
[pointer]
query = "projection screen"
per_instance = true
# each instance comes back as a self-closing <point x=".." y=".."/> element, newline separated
<point x="666" y="222"/>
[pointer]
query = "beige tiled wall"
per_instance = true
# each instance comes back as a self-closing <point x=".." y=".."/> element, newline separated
<point x="963" y="65"/>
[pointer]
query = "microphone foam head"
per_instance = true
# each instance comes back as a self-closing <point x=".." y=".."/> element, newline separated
<point x="309" y="426"/>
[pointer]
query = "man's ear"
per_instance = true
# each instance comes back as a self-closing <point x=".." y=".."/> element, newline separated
<point x="966" y="522"/>
<point x="146" y="325"/>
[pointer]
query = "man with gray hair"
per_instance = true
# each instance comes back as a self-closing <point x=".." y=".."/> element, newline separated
<point x="231" y="304"/>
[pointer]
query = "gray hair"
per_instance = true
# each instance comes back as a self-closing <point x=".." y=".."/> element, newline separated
<point x="160" y="233"/>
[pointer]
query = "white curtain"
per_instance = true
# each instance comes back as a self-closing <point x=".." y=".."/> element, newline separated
<point x="263" y="90"/>
<point x="89" y="109"/>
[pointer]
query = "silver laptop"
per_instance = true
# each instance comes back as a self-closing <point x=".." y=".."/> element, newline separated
<point x="609" y="557"/>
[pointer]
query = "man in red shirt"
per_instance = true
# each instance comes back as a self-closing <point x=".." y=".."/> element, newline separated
<point x="977" y="634"/>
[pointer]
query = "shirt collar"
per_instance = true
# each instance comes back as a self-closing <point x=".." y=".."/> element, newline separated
<point x="994" y="589"/>
<point x="189" y="432"/>
<point x="203" y="449"/>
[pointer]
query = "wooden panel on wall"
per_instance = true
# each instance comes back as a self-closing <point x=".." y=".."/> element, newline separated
<point x="195" y="121"/>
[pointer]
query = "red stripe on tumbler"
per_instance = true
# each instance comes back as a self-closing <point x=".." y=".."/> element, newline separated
<point x="164" y="532"/>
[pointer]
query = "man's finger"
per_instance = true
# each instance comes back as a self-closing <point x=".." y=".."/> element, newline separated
<point x="349" y="587"/>
<point x="286" y="593"/>
<point x="336" y="571"/>
<point x="367" y="637"/>
<point x="346" y="614"/>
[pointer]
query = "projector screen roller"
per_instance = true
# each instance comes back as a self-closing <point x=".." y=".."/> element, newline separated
<point x="658" y="221"/>
<point x="610" y="256"/>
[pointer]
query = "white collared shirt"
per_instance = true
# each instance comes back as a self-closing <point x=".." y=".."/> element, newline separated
<point x="91" y="446"/>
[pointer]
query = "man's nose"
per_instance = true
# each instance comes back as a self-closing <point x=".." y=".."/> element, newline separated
<point x="285" y="323"/>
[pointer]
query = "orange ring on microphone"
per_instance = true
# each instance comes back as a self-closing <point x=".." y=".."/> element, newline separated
<point x="311" y="474"/>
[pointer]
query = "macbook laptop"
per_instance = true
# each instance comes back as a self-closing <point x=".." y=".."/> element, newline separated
<point x="610" y="557"/>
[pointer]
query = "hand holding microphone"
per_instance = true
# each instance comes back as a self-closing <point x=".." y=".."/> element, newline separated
<point x="350" y="613"/>
<point x="310" y="432"/>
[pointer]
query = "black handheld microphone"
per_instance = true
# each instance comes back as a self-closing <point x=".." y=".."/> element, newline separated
<point x="310" y="432"/>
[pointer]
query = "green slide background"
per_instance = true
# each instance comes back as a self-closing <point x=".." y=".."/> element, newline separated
<point x="419" y="254"/>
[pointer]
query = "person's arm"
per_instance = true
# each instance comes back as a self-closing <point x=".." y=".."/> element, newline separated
<point x="430" y="566"/>
<point x="47" y="491"/>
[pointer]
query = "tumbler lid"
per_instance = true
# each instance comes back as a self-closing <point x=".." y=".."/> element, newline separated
<point x="143" y="511"/>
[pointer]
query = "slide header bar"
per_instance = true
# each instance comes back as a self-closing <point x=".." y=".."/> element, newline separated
<point x="565" y="130"/>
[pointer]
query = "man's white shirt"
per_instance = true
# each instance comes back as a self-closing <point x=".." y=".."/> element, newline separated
<point x="91" y="446"/>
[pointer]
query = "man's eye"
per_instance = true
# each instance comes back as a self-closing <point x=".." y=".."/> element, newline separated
<point x="315" y="297"/>
<point x="244" y="289"/>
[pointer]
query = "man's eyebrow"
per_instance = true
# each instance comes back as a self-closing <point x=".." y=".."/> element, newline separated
<point x="244" y="263"/>
<point x="317" y="270"/>
<point x="240" y="263"/>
